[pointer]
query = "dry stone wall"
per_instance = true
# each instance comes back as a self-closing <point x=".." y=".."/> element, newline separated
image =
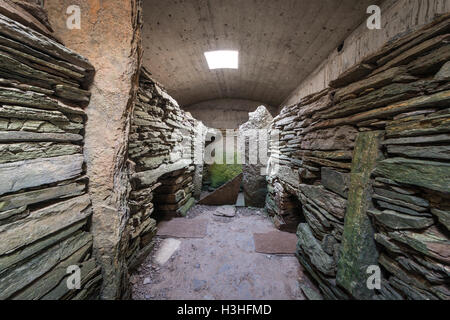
<point x="161" y="149"/>
<point x="45" y="210"/>
<point x="365" y="165"/>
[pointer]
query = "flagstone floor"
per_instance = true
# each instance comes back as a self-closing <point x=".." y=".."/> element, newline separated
<point x="223" y="265"/>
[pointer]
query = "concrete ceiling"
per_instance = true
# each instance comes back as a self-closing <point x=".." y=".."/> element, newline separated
<point x="280" y="43"/>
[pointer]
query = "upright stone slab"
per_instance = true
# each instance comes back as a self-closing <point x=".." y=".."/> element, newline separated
<point x="225" y="195"/>
<point x="358" y="245"/>
<point x="254" y="181"/>
<point x="115" y="29"/>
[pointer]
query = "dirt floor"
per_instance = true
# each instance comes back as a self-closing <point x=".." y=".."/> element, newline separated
<point x="223" y="265"/>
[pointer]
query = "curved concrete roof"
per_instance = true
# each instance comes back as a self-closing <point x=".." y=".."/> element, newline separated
<point x="280" y="42"/>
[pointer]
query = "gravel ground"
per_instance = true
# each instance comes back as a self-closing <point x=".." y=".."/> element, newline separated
<point x="223" y="265"/>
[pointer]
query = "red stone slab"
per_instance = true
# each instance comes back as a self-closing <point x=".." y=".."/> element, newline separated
<point x="226" y="194"/>
<point x="275" y="242"/>
<point x="183" y="228"/>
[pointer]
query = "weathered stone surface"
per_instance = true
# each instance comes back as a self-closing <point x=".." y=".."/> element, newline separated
<point x="27" y="14"/>
<point x="167" y="207"/>
<point x="339" y="138"/>
<point x="353" y="74"/>
<point x="225" y="211"/>
<point x="225" y="195"/>
<point x="20" y="70"/>
<point x="412" y="282"/>
<point x="35" y="40"/>
<point x="36" y="196"/>
<point x="325" y="199"/>
<point x="435" y="275"/>
<point x="13" y="214"/>
<point x="409" y="55"/>
<point x="26" y="151"/>
<point x="115" y="28"/>
<point x="399" y="208"/>
<point x="21" y="136"/>
<point x="147" y="178"/>
<point x="399" y="221"/>
<point x="429" y="174"/>
<point x="431" y="243"/>
<point x="30" y="113"/>
<point x="90" y="277"/>
<point x="33" y="173"/>
<point x="185" y="208"/>
<point x="8" y="261"/>
<point x="149" y="163"/>
<point x="72" y="93"/>
<point x="254" y="180"/>
<point x="170" y="198"/>
<point x="310" y="293"/>
<point x="428" y="152"/>
<point x="288" y="175"/>
<point x="316" y="222"/>
<point x="335" y="181"/>
<point x="416" y="201"/>
<point x="444" y="73"/>
<point x="312" y="248"/>
<point x="443" y="216"/>
<point x="410" y="291"/>
<point x="440" y="99"/>
<point x="286" y="120"/>
<point x="27" y="99"/>
<point x="308" y="108"/>
<point x="430" y="125"/>
<point x="387" y="242"/>
<point x="378" y="98"/>
<point x="20" y="277"/>
<point x="43" y="222"/>
<point x="334" y="155"/>
<point x="358" y="246"/>
<point x="39" y="228"/>
<point x="47" y="282"/>
<point x="431" y="62"/>
<point x="408" y="97"/>
<point x="374" y="82"/>
<point x="417" y="140"/>
<point x="329" y="163"/>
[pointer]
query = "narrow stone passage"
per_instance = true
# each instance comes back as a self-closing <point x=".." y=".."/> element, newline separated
<point x="223" y="265"/>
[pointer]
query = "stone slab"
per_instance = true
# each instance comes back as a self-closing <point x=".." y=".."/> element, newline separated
<point x="183" y="228"/>
<point x="167" y="249"/>
<point x="225" y="195"/>
<point x="275" y="242"/>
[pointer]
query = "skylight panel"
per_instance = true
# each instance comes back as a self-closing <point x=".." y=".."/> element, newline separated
<point x="222" y="59"/>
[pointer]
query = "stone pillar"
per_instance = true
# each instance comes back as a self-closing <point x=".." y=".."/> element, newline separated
<point x="199" y="150"/>
<point x="110" y="38"/>
<point x="254" y="181"/>
<point x="358" y="244"/>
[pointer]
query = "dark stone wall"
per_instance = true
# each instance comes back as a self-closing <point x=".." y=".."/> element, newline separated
<point x="162" y="169"/>
<point x="368" y="159"/>
<point x="45" y="209"/>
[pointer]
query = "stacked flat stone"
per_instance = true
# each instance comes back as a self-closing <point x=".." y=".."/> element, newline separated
<point x="161" y="152"/>
<point x="44" y="206"/>
<point x="368" y="159"/>
<point x="175" y="196"/>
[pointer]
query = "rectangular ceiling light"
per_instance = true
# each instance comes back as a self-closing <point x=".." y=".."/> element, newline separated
<point x="222" y="59"/>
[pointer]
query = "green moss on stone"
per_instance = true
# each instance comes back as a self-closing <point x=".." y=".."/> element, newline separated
<point x="219" y="174"/>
